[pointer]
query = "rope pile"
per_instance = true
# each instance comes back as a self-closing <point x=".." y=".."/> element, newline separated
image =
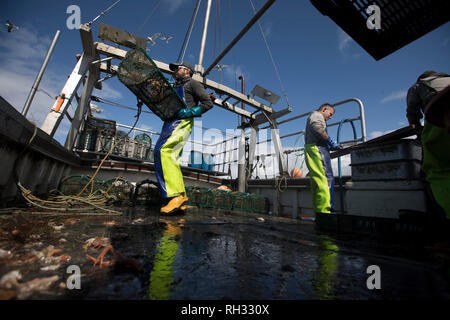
<point x="65" y="203"/>
<point x="96" y="199"/>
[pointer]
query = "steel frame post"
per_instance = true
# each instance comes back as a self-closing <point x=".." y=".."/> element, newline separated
<point x="252" y="149"/>
<point x="199" y="66"/>
<point x="40" y="74"/>
<point x="92" y="81"/>
<point x="282" y="166"/>
<point x="53" y="119"/>
<point x="82" y="109"/>
<point x="241" y="163"/>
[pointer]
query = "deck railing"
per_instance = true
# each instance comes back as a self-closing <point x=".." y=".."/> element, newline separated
<point x="139" y="144"/>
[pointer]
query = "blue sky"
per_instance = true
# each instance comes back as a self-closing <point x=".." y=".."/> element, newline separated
<point x="316" y="60"/>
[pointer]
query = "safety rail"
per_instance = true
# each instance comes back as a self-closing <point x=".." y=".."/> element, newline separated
<point x="225" y="152"/>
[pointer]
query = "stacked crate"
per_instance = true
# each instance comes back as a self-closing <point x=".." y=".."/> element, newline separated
<point x="259" y="203"/>
<point x="386" y="178"/>
<point x="219" y="199"/>
<point x="143" y="146"/>
<point x="122" y="144"/>
<point x="241" y="201"/>
<point x="93" y="131"/>
<point x="198" y="196"/>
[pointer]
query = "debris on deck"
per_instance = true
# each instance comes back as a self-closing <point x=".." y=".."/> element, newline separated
<point x="206" y="254"/>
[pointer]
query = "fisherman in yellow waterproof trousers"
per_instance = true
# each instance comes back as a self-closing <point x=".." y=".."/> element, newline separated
<point x="174" y="135"/>
<point x="318" y="161"/>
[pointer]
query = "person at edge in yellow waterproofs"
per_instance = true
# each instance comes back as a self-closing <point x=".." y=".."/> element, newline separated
<point x="174" y="135"/>
<point x="435" y="138"/>
<point x="317" y="155"/>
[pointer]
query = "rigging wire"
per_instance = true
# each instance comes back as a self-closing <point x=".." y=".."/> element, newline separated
<point x="114" y="104"/>
<point x="102" y="13"/>
<point x="218" y="26"/>
<point x="149" y="15"/>
<point x="232" y="52"/>
<point x="215" y="40"/>
<point x="271" y="57"/>
<point x="48" y="94"/>
<point x="188" y="33"/>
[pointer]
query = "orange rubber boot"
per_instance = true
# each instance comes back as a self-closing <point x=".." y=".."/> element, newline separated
<point x="175" y="204"/>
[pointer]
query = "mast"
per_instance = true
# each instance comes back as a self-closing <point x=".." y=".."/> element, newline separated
<point x="188" y="34"/>
<point x="40" y="74"/>
<point x="240" y="35"/>
<point x="199" y="66"/>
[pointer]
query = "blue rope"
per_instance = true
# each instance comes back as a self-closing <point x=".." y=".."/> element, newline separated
<point x="341" y="189"/>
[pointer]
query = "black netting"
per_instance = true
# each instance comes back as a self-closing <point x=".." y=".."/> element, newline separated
<point x="139" y="73"/>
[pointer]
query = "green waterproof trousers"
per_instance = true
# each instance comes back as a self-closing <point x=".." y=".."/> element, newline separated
<point x="436" y="163"/>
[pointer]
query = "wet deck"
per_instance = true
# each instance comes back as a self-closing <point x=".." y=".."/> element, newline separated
<point x="206" y="254"/>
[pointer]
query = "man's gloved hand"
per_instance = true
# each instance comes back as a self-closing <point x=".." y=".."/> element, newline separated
<point x="189" y="112"/>
<point x="333" y="145"/>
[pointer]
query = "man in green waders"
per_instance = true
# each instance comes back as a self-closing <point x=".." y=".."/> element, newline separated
<point x="317" y="155"/>
<point x="435" y="140"/>
<point x="174" y="135"/>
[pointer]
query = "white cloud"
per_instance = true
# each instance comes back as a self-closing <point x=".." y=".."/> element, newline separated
<point x="344" y="40"/>
<point x="107" y="92"/>
<point x="344" y="45"/>
<point x="146" y="127"/>
<point x="21" y="56"/>
<point x="192" y="58"/>
<point x="397" y="95"/>
<point x="23" y="47"/>
<point x="267" y="29"/>
<point x="376" y="134"/>
<point x="174" y="5"/>
<point x="232" y="72"/>
<point x="446" y="41"/>
<point x="15" y="88"/>
<point x="345" y="166"/>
